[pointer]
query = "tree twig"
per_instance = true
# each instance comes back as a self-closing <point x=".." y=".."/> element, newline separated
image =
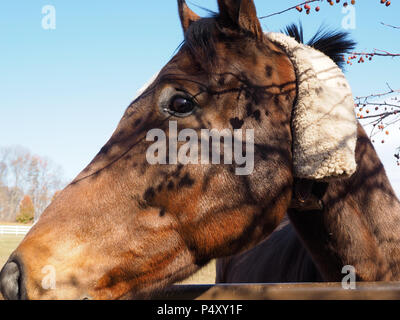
<point x="377" y="95"/>
<point x="377" y="52"/>
<point x="389" y="25"/>
<point x="288" y="9"/>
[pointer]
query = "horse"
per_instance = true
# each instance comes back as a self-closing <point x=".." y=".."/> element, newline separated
<point x="360" y="230"/>
<point x="358" y="227"/>
<point x="125" y="227"/>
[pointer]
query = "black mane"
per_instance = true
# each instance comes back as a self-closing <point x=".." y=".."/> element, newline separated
<point x="200" y="40"/>
<point x="334" y="43"/>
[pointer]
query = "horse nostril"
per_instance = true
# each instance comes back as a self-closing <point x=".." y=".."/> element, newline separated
<point x="9" y="281"/>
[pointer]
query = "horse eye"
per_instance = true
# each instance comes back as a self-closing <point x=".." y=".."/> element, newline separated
<point x="181" y="106"/>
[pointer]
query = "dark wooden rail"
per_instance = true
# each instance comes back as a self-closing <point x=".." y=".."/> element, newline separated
<point x="298" y="291"/>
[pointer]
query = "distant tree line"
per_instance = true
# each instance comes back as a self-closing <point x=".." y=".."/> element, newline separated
<point x="28" y="183"/>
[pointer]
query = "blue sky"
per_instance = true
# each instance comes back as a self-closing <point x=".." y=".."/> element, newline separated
<point x="63" y="91"/>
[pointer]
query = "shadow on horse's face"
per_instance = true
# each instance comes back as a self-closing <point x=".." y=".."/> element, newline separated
<point x="127" y="225"/>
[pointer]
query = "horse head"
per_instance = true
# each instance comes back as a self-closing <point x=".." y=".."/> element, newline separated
<point x="150" y="210"/>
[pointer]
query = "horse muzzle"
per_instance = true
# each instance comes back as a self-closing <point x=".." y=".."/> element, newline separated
<point x="11" y="281"/>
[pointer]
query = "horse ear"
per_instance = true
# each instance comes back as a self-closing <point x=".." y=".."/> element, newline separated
<point x="187" y="16"/>
<point x="241" y="13"/>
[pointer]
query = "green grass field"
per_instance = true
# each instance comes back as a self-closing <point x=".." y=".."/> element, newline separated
<point x="8" y="243"/>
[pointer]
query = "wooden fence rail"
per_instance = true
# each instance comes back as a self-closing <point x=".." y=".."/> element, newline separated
<point x="14" y="230"/>
<point x="298" y="291"/>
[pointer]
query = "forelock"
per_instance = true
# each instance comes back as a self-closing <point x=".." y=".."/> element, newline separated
<point x="200" y="40"/>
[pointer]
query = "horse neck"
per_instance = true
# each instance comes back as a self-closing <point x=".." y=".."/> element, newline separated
<point x="359" y="225"/>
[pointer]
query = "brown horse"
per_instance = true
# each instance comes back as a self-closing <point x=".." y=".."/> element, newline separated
<point x="125" y="227"/>
<point x="358" y="226"/>
<point x="281" y="258"/>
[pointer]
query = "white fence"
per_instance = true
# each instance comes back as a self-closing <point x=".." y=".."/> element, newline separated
<point x="15" y="230"/>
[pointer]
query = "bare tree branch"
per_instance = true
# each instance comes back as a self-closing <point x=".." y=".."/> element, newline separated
<point x="382" y="108"/>
<point x="389" y="25"/>
<point x="378" y="95"/>
<point x="288" y="9"/>
<point x="377" y="52"/>
<point x="23" y="173"/>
